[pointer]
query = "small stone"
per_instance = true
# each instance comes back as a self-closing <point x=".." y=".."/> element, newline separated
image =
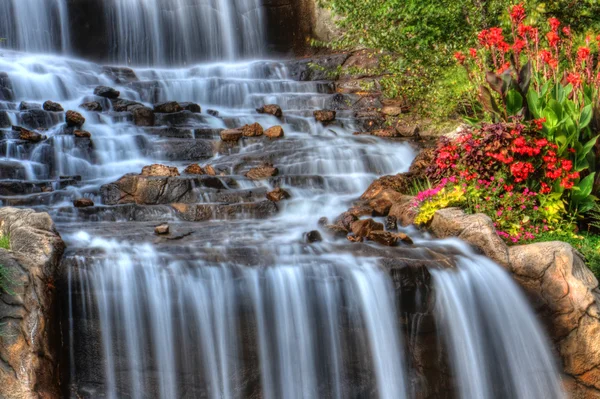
<point x="143" y="116"/>
<point x="93" y="106"/>
<point x="385" y="133"/>
<point x="83" y="203"/>
<point x="82" y="134"/>
<point x="274" y="132"/>
<point x="52" y="106"/>
<point x="325" y="116"/>
<point x="162" y="229"/>
<point x="74" y="119"/>
<point x="212" y="112"/>
<point x="192" y="107"/>
<point x="271" y="109"/>
<point x="210" y="170"/>
<point x="345" y="220"/>
<point x="30" y="136"/>
<point x="354" y="239"/>
<point x="26" y="106"/>
<point x="194" y="169"/>
<point x="168" y="108"/>
<point x="231" y="135"/>
<point x="262" y="172"/>
<point x="278" y="194"/>
<point x="313" y="236"/>
<point x="335" y="230"/>
<point x="323" y="221"/>
<point x="391" y="223"/>
<point x="391" y="110"/>
<point x="404" y="238"/>
<point x="106" y="92"/>
<point x="160" y="170"/>
<point x="253" y="130"/>
<point x="362" y="228"/>
<point x="383" y="237"/>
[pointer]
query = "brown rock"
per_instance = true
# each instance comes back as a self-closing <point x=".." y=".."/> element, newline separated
<point x="274" y="132"/>
<point x="362" y="228"/>
<point x="194" y="169"/>
<point x="385" y="133"/>
<point x="345" y="220"/>
<point x="30" y="136"/>
<point x="210" y="170"/>
<point x="355" y="239"/>
<point x="271" y="109"/>
<point x="83" y="203"/>
<point x="53" y="107"/>
<point x="360" y="211"/>
<point x="404" y="238"/>
<point x="160" y="170"/>
<point x="400" y="183"/>
<point x="422" y="161"/>
<point x="82" y="134"/>
<point x="325" y="116"/>
<point x="335" y="230"/>
<point x="93" y="106"/>
<point x="262" y="172"/>
<point x="383" y="237"/>
<point x="106" y="92"/>
<point x="143" y="116"/>
<point x="253" y="130"/>
<point x="405" y="211"/>
<point x="278" y="194"/>
<point x="231" y="135"/>
<point x="391" y="110"/>
<point x="168" y="108"/>
<point x="74" y="119"/>
<point x="162" y="229"/>
<point x="192" y="107"/>
<point x="380" y="206"/>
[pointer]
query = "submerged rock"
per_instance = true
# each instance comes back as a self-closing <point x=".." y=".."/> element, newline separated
<point x="162" y="229"/>
<point x="159" y="170"/>
<point x="362" y="228"/>
<point x="29" y="135"/>
<point x="231" y="135"/>
<point x="83" y="203"/>
<point x="52" y="107"/>
<point x="278" y="194"/>
<point x="168" y="107"/>
<point x="271" y="109"/>
<point x="262" y="172"/>
<point x="93" y="106"/>
<point x="312" y="237"/>
<point x="192" y="107"/>
<point x="26" y="106"/>
<point x="143" y="116"/>
<point x="5" y="120"/>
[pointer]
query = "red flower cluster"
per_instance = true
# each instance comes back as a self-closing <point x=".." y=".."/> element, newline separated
<point x="460" y="57"/>
<point x="582" y="54"/>
<point x="493" y="38"/>
<point x="517" y="14"/>
<point x="521" y="171"/>
<point x="574" y="79"/>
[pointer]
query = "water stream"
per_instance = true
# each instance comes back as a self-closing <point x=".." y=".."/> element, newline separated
<point x="240" y="306"/>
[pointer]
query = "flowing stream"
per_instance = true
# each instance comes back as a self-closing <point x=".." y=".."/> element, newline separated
<point x="240" y="305"/>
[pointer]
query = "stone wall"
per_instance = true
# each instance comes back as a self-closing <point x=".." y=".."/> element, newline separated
<point x="29" y="331"/>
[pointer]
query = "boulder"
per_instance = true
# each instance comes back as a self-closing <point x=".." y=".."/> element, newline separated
<point x="400" y="183"/>
<point x="159" y="170"/>
<point x="271" y="109"/>
<point x="262" y="172"/>
<point x="325" y="116"/>
<point x="391" y="223"/>
<point x="253" y="130"/>
<point x="404" y="211"/>
<point x="168" y="107"/>
<point x="362" y="228"/>
<point x="30" y="136"/>
<point x="82" y="134"/>
<point x="278" y="194"/>
<point x="335" y="230"/>
<point x="422" y="162"/>
<point x="274" y="132"/>
<point x="192" y="107"/>
<point x="120" y="74"/>
<point x="93" y="106"/>
<point x="30" y="342"/>
<point x="26" y="106"/>
<point x="106" y="92"/>
<point x="52" y="107"/>
<point x="74" y="119"/>
<point x="162" y="229"/>
<point x="212" y="112"/>
<point x="5" y="120"/>
<point x="380" y="206"/>
<point x="122" y="105"/>
<point x="383" y="237"/>
<point x="231" y="135"/>
<point x="194" y="169"/>
<point x="392" y="110"/>
<point x="345" y="220"/>
<point x="83" y="203"/>
<point x="312" y="237"/>
<point x="143" y="116"/>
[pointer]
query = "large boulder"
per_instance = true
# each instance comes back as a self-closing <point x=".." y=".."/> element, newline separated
<point x="168" y="107"/>
<point x="30" y="339"/>
<point x="325" y="115"/>
<point x="93" y="106"/>
<point x="231" y="135"/>
<point x="400" y="183"/>
<point x="253" y="130"/>
<point x="29" y="135"/>
<point x="143" y="116"/>
<point x="274" y="132"/>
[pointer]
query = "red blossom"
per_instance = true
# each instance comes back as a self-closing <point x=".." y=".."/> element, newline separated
<point x="567" y="31"/>
<point x="460" y="57"/>
<point x="539" y="123"/>
<point x="574" y="79"/>
<point x="553" y="38"/>
<point x="517" y="13"/>
<point x="582" y="54"/>
<point x="519" y="45"/>
<point x="473" y="52"/>
<point x="554" y="24"/>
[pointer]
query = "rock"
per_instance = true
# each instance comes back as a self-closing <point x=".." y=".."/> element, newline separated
<point x="391" y="223"/>
<point x="5" y="120"/>
<point x="325" y="116"/>
<point x="253" y="130"/>
<point x="120" y="75"/>
<point x="391" y="110"/>
<point x="93" y="106"/>
<point x="192" y="107"/>
<point x="30" y="343"/>
<point x="400" y="183"/>
<point x="278" y="194"/>
<point x="408" y="131"/>
<point x="355" y="239"/>
<point x="210" y="170"/>
<point x="345" y="220"/>
<point x="143" y="116"/>
<point x="323" y="221"/>
<point x="405" y="211"/>
<point x="383" y="237"/>
<point x="168" y="108"/>
<point x="212" y="112"/>
<point x="274" y="132"/>
<point x="385" y="133"/>
<point x="194" y="169"/>
<point x="404" y="238"/>
<point x="30" y="136"/>
<point x="52" y="107"/>
<point x="74" y="119"/>
<point x="106" y="92"/>
<point x="422" y="162"/>
<point x="312" y="237"/>
<point x="122" y="105"/>
<point x="271" y="109"/>
<point x="360" y="211"/>
<point x="162" y="229"/>
<point x="262" y="172"/>
<point x="362" y="228"/>
<point x="26" y="106"/>
<point x="82" y="134"/>
<point x="231" y="135"/>
<point x="159" y="170"/>
<point x="380" y="206"/>
<point x="83" y="203"/>
<point x="335" y="230"/>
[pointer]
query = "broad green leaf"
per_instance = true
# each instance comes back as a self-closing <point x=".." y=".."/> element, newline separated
<point x="534" y="104"/>
<point x="514" y="103"/>
<point x="584" y="188"/>
<point x="551" y="118"/>
<point x="557" y="108"/>
<point x="586" y="116"/>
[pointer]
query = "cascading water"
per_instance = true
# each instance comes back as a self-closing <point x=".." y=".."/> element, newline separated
<point x="240" y="305"/>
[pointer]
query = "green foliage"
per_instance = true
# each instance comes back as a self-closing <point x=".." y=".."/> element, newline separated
<point x="5" y="242"/>
<point x="444" y="198"/>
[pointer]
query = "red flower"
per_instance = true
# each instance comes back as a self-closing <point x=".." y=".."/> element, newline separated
<point x="460" y="57"/>
<point x="553" y="38"/>
<point x="566" y="165"/>
<point x="539" y="124"/>
<point x="574" y="79"/>
<point x="524" y="30"/>
<point x="473" y="52"/>
<point x="545" y="189"/>
<point x="567" y="31"/>
<point x="546" y="56"/>
<point x="521" y="170"/>
<point x="582" y="54"/>
<point x="503" y="68"/>
<point x="517" y="14"/>
<point x="554" y="24"/>
<point x="519" y="45"/>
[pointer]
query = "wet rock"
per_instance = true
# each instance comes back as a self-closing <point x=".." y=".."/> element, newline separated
<point x="253" y="130"/>
<point x="400" y="183"/>
<point x="405" y="211"/>
<point x="312" y="237"/>
<point x="271" y="109"/>
<point x="383" y="237"/>
<point x="385" y="133"/>
<point x="278" y="194"/>
<point x="360" y="211"/>
<point x="404" y="238"/>
<point x="5" y="120"/>
<point x="262" y="172"/>
<point x="422" y="162"/>
<point x="352" y="238"/>
<point x="83" y="203"/>
<point x="231" y="135"/>
<point x="26" y="106"/>
<point x="362" y="228"/>
<point x="391" y="223"/>
<point x="30" y="136"/>
<point x="168" y="107"/>
<point x="212" y="112"/>
<point x="274" y="132"/>
<point x="380" y="206"/>
<point x="162" y="229"/>
<point x="143" y="116"/>
<point x="74" y="119"/>
<point x="345" y="220"/>
<point x="106" y="92"/>
<point x="52" y="107"/>
<point x="194" y="169"/>
<point x="39" y="119"/>
<point x="122" y="105"/>
<point x="325" y="116"/>
<point x="121" y="75"/>
<point x="192" y="107"/>
<point x="159" y="170"/>
<point x="323" y="221"/>
<point x="210" y="170"/>
<point x="82" y="134"/>
<point x="6" y="89"/>
<point x="93" y="106"/>
<point x="335" y="230"/>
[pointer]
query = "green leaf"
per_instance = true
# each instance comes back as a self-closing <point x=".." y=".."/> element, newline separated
<point x="584" y="188"/>
<point x="514" y="103"/>
<point x="551" y="118"/>
<point x="534" y="103"/>
<point x="557" y="108"/>
<point x="586" y="116"/>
